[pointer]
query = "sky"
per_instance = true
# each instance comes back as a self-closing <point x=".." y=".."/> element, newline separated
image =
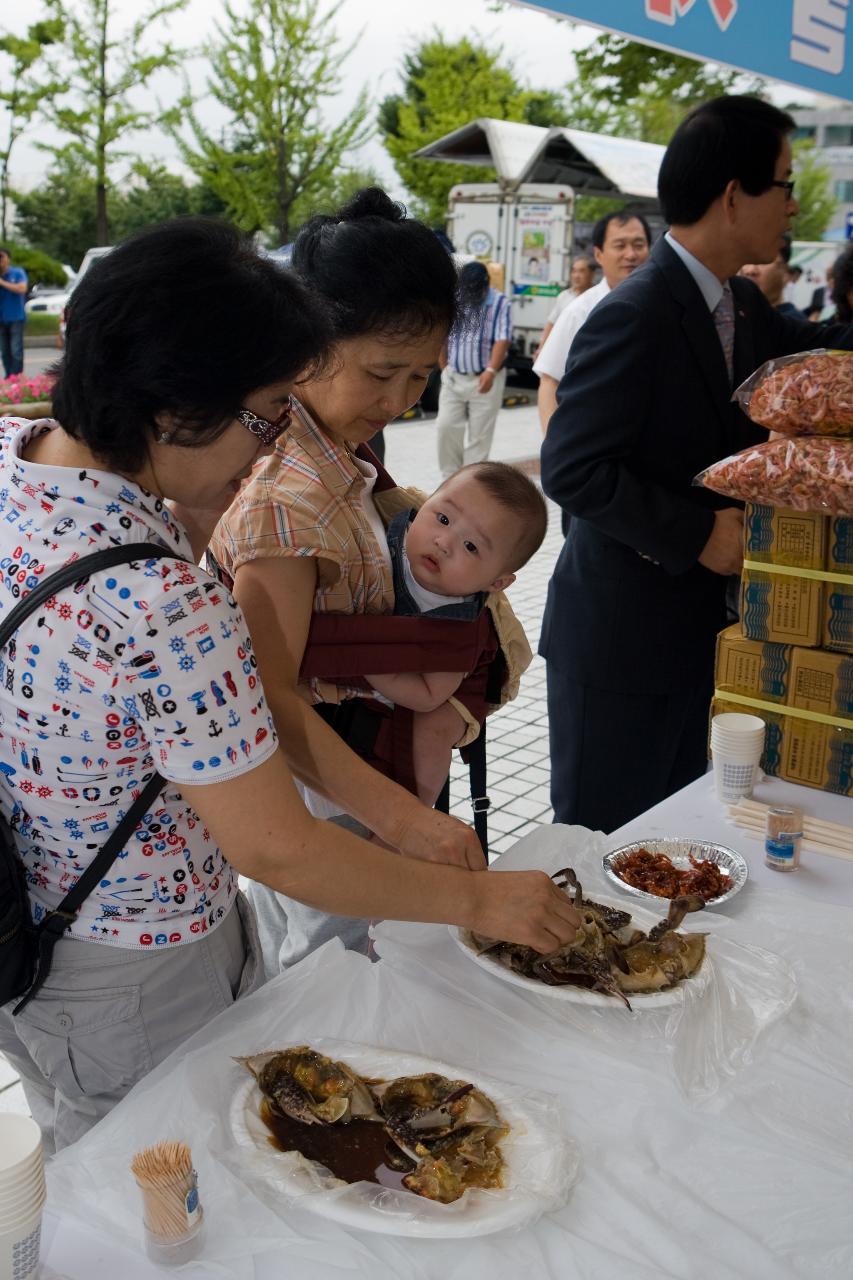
<point x="539" y="47"/>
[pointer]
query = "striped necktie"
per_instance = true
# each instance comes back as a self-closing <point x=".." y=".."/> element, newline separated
<point x="724" y="321"/>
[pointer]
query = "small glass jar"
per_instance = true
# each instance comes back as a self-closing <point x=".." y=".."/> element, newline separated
<point x="782" y="841"/>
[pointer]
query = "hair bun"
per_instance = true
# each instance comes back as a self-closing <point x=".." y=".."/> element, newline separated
<point x="371" y="202"/>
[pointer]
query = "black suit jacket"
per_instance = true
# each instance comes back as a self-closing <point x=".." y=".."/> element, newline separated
<point x="643" y="407"/>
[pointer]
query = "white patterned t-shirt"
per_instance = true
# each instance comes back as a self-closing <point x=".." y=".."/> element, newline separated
<point x="147" y="666"/>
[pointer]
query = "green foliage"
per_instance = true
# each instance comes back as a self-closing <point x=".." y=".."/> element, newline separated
<point x="96" y="75"/>
<point x="814" y="192"/>
<point x="634" y="91"/>
<point x="20" y="93"/>
<point x="272" y="67"/>
<point x="59" y="215"/>
<point x="40" y="268"/>
<point x="41" y="325"/>
<point x="445" y="85"/>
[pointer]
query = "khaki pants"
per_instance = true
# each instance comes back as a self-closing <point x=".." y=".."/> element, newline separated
<point x="463" y="407"/>
<point x="107" y="1015"/>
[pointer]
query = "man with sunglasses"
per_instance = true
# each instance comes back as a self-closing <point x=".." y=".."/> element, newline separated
<point x="639" y="592"/>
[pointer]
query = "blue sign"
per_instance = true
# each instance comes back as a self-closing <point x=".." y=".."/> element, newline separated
<point x="807" y="43"/>
<point x="848" y="225"/>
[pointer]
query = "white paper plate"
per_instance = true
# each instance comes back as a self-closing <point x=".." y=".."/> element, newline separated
<point x="579" y="995"/>
<point x="678" y="849"/>
<point x="535" y="1157"/>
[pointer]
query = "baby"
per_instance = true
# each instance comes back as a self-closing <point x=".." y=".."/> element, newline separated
<point x="469" y="538"/>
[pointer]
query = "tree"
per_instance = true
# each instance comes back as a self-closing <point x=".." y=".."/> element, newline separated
<point x="94" y="101"/>
<point x="814" y="192"/>
<point x="632" y="90"/>
<point x="21" y="95"/>
<point x="58" y="216"/>
<point x="271" y="69"/>
<point x="445" y="85"/>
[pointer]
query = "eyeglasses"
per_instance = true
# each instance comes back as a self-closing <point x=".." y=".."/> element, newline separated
<point x="266" y="431"/>
<point x="786" y="185"/>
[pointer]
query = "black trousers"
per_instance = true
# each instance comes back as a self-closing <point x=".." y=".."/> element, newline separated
<point x="614" y="755"/>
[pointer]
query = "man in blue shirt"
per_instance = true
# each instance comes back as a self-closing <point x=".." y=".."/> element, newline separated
<point x="473" y="373"/>
<point x="13" y="289"/>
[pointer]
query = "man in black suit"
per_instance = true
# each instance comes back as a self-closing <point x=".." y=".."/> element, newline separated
<point x="638" y="593"/>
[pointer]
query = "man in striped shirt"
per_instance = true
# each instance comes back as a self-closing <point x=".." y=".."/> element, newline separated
<point x="473" y="373"/>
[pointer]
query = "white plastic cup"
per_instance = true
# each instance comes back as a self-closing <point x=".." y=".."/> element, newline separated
<point x="734" y="780"/>
<point x="19" y="1248"/>
<point x="733" y="730"/>
<point x="17" y="1203"/>
<point x="20" y="1144"/>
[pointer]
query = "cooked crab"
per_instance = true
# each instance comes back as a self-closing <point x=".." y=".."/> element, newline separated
<point x="419" y="1110"/>
<point x="605" y="954"/>
<point x="310" y="1087"/>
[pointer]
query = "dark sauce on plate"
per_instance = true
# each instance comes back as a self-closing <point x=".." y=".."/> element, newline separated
<point x="353" y="1152"/>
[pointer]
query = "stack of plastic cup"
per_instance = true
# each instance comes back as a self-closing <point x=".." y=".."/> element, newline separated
<point x="22" y="1195"/>
<point x="737" y="744"/>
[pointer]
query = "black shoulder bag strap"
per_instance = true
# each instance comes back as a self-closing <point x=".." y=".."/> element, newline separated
<point x="55" y="923"/>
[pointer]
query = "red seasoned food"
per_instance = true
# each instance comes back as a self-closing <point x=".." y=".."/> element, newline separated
<point x="656" y="873"/>
<point x="807" y="394"/>
<point x="808" y="473"/>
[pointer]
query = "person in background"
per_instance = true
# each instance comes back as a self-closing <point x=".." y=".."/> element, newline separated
<point x="793" y="276"/>
<point x="581" y="278"/>
<point x="772" y="278"/>
<point x="621" y="243"/>
<point x="473" y="373"/>
<point x="638" y="594"/>
<point x="821" y="306"/>
<point x="842" y="286"/>
<point x="13" y="291"/>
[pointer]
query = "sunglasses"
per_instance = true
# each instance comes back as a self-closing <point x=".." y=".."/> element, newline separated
<point x="267" y="432"/>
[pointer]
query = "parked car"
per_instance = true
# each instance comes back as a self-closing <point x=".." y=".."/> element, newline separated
<point x="90" y="256"/>
<point x="49" y="301"/>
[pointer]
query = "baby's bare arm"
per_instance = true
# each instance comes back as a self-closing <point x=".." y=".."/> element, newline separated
<point x="419" y="691"/>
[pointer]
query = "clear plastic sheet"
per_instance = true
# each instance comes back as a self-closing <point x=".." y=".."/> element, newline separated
<point x="704" y="1031"/>
<point x="808" y="394"/>
<point x="806" y="473"/>
<point x="755" y="1182"/>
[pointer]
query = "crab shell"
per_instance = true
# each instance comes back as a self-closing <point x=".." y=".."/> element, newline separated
<point x="310" y="1087"/>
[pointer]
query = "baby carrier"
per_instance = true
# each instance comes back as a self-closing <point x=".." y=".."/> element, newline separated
<point x="342" y="648"/>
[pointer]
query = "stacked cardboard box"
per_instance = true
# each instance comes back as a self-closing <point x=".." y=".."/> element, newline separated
<point x="793" y="646"/>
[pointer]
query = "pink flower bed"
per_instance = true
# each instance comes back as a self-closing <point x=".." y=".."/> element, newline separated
<point x="20" y="389"/>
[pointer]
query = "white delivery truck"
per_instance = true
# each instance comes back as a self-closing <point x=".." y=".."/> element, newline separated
<point x="528" y="232"/>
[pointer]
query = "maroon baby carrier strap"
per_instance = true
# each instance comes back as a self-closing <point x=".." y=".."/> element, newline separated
<point x="343" y="648"/>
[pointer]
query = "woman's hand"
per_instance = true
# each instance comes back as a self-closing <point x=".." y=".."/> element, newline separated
<point x="525" y="907"/>
<point x="436" y="837"/>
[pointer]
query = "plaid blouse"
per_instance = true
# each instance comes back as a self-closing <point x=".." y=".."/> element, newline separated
<point x="306" y="499"/>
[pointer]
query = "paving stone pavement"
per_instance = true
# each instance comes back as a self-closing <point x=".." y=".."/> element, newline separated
<point x="517" y="739"/>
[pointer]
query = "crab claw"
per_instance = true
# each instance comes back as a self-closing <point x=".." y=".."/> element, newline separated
<point x="566" y="878"/>
<point x="678" y="909"/>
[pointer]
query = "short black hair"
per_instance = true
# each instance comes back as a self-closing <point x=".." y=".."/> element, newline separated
<point x="730" y="138"/>
<point x="842" y="285"/>
<point x="378" y="271"/>
<point x="186" y="317"/>
<point x="619" y="216"/>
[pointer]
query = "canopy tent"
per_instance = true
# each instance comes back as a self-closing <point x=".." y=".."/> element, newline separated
<point x="806" y="43"/>
<point x="591" y="163"/>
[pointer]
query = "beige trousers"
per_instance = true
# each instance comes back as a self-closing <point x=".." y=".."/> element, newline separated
<point x="466" y="419"/>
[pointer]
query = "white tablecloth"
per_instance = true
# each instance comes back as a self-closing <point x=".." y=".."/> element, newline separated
<point x="748" y="1180"/>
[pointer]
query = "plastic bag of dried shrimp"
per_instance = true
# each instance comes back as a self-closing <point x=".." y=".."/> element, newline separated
<point x="809" y="473"/>
<point x="810" y="394"/>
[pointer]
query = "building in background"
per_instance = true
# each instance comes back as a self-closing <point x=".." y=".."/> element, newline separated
<point x="831" y="130"/>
